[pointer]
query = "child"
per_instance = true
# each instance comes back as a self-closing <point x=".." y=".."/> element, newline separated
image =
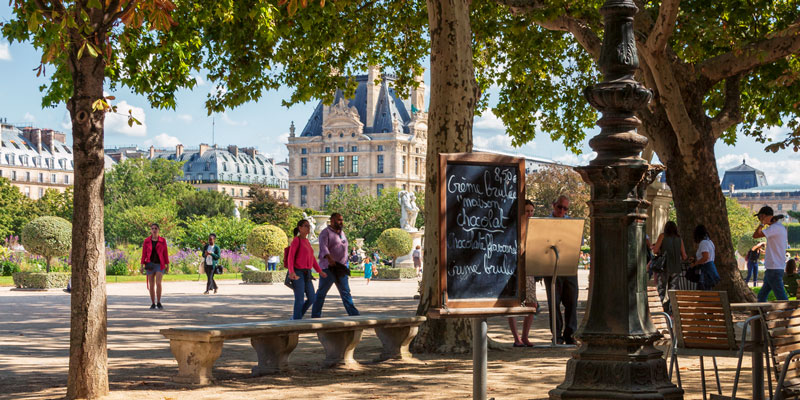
<point x="367" y="269"/>
<point x="790" y="278"/>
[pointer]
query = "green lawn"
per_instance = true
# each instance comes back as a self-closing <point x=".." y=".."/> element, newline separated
<point x="8" y="281"/>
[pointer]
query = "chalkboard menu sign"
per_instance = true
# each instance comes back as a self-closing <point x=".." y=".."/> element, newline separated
<point x="482" y="230"/>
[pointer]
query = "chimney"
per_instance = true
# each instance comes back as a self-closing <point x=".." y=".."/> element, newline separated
<point x="38" y="141"/>
<point x="47" y="137"/>
<point x="373" y="91"/>
<point x="152" y="152"/>
<point x="178" y="151"/>
<point x="233" y="149"/>
<point x="251" y="151"/>
<point x="203" y="148"/>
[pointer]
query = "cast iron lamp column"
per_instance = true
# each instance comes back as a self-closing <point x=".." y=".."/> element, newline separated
<point x="617" y="359"/>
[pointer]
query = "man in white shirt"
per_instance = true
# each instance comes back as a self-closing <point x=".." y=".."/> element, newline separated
<point x="774" y="257"/>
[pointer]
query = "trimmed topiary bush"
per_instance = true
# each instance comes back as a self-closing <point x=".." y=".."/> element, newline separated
<point x="39" y="280"/>
<point x="49" y="237"/>
<point x="263" y="276"/>
<point x="395" y="242"/>
<point x="266" y="240"/>
<point x="396" y="273"/>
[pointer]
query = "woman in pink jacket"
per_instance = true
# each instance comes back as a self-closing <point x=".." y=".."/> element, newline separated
<point x="300" y="261"/>
<point x="155" y="262"/>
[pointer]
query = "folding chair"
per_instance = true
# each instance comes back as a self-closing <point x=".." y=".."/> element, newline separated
<point x="662" y="322"/>
<point x="782" y="327"/>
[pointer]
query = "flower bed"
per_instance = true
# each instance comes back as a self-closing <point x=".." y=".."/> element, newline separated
<point x="263" y="276"/>
<point x="40" y="280"/>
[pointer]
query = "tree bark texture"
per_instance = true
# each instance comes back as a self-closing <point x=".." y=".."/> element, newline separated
<point x="454" y="93"/>
<point x="88" y="359"/>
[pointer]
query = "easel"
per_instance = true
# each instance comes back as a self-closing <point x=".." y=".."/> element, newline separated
<point x="553" y="248"/>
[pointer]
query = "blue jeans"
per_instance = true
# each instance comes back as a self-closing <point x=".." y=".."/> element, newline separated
<point x="271" y="266"/>
<point x="344" y="291"/>
<point x="752" y="270"/>
<point x="773" y="281"/>
<point x="302" y="286"/>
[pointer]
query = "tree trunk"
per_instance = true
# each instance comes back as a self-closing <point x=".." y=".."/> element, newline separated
<point x="454" y="93"/>
<point x="698" y="199"/>
<point x="88" y="360"/>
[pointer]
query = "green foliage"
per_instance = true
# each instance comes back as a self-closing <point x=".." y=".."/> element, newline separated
<point x="55" y="203"/>
<point x="231" y="233"/>
<point x="132" y="225"/>
<point x="794" y="214"/>
<point x="17" y="209"/>
<point x="38" y="280"/>
<point x="263" y="276"/>
<point x="266" y="240"/>
<point x="395" y="242"/>
<point x="48" y="237"/>
<point x="742" y="223"/>
<point x="267" y="209"/>
<point x="545" y="185"/>
<point x="366" y="216"/>
<point x="745" y="243"/>
<point x="793" y="231"/>
<point x="8" y="268"/>
<point x="395" y="273"/>
<point x="205" y="203"/>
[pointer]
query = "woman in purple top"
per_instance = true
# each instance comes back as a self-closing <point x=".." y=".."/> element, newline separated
<point x="332" y="250"/>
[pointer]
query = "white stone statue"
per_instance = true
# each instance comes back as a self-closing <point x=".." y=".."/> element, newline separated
<point x="408" y="210"/>
<point x="236" y="213"/>
<point x="312" y="236"/>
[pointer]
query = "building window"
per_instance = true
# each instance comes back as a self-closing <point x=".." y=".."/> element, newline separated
<point x="41" y="193"/>
<point x="66" y="179"/>
<point x="304" y="166"/>
<point x="404" y="187"/>
<point x="380" y="163"/>
<point x="380" y="189"/>
<point x="417" y="150"/>
<point x="780" y="207"/>
<point x="233" y="192"/>
<point x="13" y="175"/>
<point x="327" y="190"/>
<point x="404" y="165"/>
<point x="208" y="166"/>
<point x="340" y="165"/>
<point x="794" y="205"/>
<point x="380" y="147"/>
<point x="1" y="173"/>
<point x="416" y="166"/>
<point x="41" y="177"/>
<point x="28" y="192"/>
<point x="327" y="149"/>
<point x="341" y="149"/>
<point x="188" y="177"/>
<point x="303" y="196"/>
<point x="304" y="151"/>
<point x="326" y="169"/>
<point x="354" y="167"/>
<point x="354" y="149"/>
<point x="53" y="178"/>
<point x="405" y="148"/>
<point x="241" y="192"/>
<point x="28" y="179"/>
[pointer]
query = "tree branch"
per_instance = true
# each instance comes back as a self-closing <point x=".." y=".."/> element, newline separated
<point x="731" y="113"/>
<point x="664" y="26"/>
<point x="579" y="29"/>
<point x="57" y="6"/>
<point x="110" y="18"/>
<point x="783" y="43"/>
<point x="522" y="6"/>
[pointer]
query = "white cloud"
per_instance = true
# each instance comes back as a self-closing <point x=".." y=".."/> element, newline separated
<point x="29" y="118"/>
<point x="777" y="171"/>
<point x="117" y="123"/>
<point x="187" y="118"/>
<point x="489" y="122"/>
<point x="199" y="79"/>
<point x="66" y="122"/>
<point x="162" y="140"/>
<point x="227" y="119"/>
<point x="575" y="160"/>
<point x="277" y="150"/>
<point x="5" y="54"/>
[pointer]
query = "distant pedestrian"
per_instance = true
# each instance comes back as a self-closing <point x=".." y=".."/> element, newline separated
<point x="211" y="254"/>
<point x="771" y="228"/>
<point x="566" y="289"/>
<point x="299" y="262"/>
<point x="790" y="278"/>
<point x="333" y="259"/>
<point x="155" y="262"/>
<point x="704" y="259"/>
<point x="272" y="262"/>
<point x="368" y="269"/>
<point x="752" y="262"/>
<point x="530" y="300"/>
<point x="670" y="246"/>
<point x="417" y="256"/>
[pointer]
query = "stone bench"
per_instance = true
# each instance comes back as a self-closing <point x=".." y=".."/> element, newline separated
<point x="196" y="348"/>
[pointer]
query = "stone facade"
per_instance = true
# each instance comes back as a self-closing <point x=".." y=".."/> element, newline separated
<point x="781" y="198"/>
<point x="371" y="141"/>
<point x="35" y="160"/>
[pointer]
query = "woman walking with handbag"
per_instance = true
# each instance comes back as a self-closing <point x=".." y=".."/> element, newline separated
<point x="670" y="253"/>
<point x="704" y="259"/>
<point x="299" y="261"/>
<point x="210" y="258"/>
<point x="155" y="262"/>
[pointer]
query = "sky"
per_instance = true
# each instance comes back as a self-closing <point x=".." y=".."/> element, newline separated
<point x="265" y="124"/>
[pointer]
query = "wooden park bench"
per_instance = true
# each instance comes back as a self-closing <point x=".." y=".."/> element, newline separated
<point x="196" y="348"/>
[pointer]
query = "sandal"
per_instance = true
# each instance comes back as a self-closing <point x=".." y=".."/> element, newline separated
<point x="519" y="345"/>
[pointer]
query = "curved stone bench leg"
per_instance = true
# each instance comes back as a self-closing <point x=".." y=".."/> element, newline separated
<point x="395" y="341"/>
<point x="339" y="347"/>
<point x="195" y="360"/>
<point x="273" y="353"/>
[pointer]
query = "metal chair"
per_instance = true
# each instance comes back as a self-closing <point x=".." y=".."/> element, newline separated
<point x="782" y="327"/>
<point x="704" y="327"/>
<point x="662" y="322"/>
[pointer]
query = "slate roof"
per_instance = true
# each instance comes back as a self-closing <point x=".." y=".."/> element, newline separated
<point x="222" y="165"/>
<point x="15" y="150"/>
<point x="389" y="106"/>
<point x="743" y="177"/>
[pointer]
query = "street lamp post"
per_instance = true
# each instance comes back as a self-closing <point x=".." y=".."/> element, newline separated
<point x="617" y="359"/>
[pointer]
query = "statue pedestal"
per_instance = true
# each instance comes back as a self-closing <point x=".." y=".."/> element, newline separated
<point x="407" y="261"/>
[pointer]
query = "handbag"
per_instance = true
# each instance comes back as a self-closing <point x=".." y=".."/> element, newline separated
<point x="339" y="270"/>
<point x="693" y="274"/>
<point x="288" y="281"/>
<point x="659" y="263"/>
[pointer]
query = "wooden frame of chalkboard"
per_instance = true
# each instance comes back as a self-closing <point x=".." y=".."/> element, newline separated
<point x="490" y="276"/>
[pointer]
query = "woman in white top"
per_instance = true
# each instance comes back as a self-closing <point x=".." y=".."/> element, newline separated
<point x="704" y="258"/>
<point x="272" y="262"/>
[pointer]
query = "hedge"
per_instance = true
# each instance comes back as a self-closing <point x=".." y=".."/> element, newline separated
<point x="263" y="276"/>
<point x="40" y="280"/>
<point x="396" y="273"/>
<point x="793" y="232"/>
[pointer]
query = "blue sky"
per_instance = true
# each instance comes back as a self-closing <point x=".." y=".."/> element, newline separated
<point x="265" y="124"/>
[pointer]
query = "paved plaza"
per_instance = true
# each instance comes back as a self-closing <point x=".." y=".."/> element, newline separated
<point x="35" y="345"/>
